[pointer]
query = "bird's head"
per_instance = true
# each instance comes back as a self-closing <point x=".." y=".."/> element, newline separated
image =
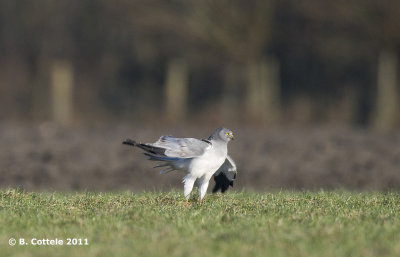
<point x="223" y="134"/>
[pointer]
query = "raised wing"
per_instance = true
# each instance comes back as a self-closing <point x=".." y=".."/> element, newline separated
<point x="180" y="147"/>
<point x="225" y="175"/>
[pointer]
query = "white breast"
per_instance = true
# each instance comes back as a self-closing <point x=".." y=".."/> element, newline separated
<point x="209" y="162"/>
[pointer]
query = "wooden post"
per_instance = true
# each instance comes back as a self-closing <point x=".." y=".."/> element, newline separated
<point x="386" y="111"/>
<point x="176" y="90"/>
<point x="62" y="92"/>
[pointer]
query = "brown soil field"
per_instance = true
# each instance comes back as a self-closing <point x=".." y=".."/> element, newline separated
<point x="46" y="157"/>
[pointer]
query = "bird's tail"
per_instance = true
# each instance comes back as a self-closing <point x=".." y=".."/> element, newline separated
<point x="129" y="142"/>
<point x="147" y="147"/>
<point x="153" y="157"/>
<point x="155" y="154"/>
<point x="166" y="162"/>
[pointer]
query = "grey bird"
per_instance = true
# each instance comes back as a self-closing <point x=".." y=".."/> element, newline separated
<point x="199" y="159"/>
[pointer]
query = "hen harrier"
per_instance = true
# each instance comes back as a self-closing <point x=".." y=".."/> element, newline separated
<point x="199" y="159"/>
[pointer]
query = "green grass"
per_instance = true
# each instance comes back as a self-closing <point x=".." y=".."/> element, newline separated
<point x="337" y="223"/>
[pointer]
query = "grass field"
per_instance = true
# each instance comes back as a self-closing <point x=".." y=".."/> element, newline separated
<point x="337" y="223"/>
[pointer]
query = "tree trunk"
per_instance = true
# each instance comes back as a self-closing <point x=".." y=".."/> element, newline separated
<point x="263" y="91"/>
<point x="40" y="91"/>
<point x="62" y="92"/>
<point x="233" y="80"/>
<point x="176" y="90"/>
<point x="385" y="113"/>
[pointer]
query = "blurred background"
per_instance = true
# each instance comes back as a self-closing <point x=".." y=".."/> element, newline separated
<point x="310" y="88"/>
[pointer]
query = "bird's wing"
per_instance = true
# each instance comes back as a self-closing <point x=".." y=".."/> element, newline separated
<point x="181" y="147"/>
<point x="225" y="175"/>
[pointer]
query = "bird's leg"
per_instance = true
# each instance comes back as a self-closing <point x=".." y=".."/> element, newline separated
<point x="188" y="186"/>
<point x="203" y="185"/>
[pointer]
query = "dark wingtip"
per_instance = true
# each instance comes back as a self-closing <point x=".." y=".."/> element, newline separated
<point x="221" y="183"/>
<point x="129" y="142"/>
<point x="216" y="188"/>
